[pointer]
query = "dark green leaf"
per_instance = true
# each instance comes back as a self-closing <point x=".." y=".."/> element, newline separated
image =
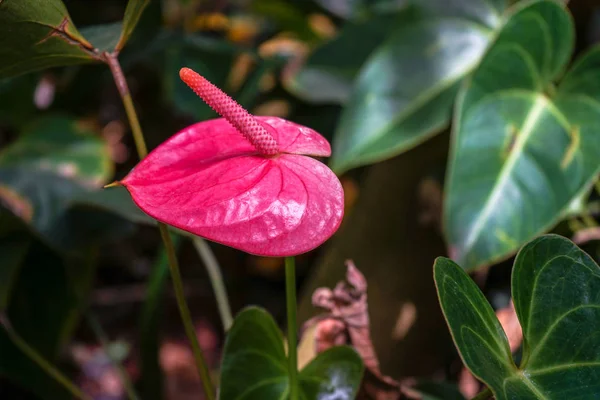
<point x="251" y="89"/>
<point x="63" y="214"/>
<point x="437" y="391"/>
<point x="205" y="56"/>
<point x="61" y="145"/>
<point x="44" y="276"/>
<point x="38" y="34"/>
<point x="518" y="139"/>
<point x="132" y="16"/>
<point x="329" y="72"/>
<point x="116" y="200"/>
<point x="13" y="249"/>
<point x="556" y="291"/>
<point x="334" y="374"/>
<point x="17" y="99"/>
<point x="287" y="16"/>
<point x="255" y="366"/>
<point x="104" y="37"/>
<point x="405" y="92"/>
<point x="474" y="327"/>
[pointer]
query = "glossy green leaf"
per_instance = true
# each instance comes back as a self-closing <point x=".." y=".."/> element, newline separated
<point x="488" y="12"/>
<point x="329" y="72"/>
<point x="518" y="139"/>
<point x="255" y="366"/>
<point x="556" y="291"/>
<point x="132" y="16"/>
<point x="354" y="9"/>
<point x="103" y="37"/>
<point x="405" y="92"/>
<point x="38" y="34"/>
<point x="61" y="145"/>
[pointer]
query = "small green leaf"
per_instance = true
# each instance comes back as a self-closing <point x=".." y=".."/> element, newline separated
<point x="255" y="366"/>
<point x="329" y="72"/>
<point x="518" y="139"/>
<point x="556" y="291"/>
<point x="104" y="37"/>
<point x="405" y="92"/>
<point x="38" y="34"/>
<point x="132" y="16"/>
<point x="61" y="145"/>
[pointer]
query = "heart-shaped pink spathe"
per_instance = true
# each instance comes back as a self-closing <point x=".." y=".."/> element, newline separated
<point x="210" y="180"/>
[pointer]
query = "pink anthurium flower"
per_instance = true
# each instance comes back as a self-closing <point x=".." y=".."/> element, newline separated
<point x="244" y="181"/>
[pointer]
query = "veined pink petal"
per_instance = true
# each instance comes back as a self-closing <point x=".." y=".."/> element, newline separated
<point x="296" y="139"/>
<point x="210" y="181"/>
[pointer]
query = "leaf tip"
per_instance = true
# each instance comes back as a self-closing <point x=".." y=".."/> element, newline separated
<point x="113" y="184"/>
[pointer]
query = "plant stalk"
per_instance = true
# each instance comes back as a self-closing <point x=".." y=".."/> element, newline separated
<point x="185" y="313"/>
<point x="292" y="329"/>
<point x="134" y="123"/>
<point x="483" y="395"/>
<point x="142" y="149"/>
<point x="37" y="358"/>
<point x="216" y="280"/>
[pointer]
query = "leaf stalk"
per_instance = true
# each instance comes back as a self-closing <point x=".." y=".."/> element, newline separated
<point x="292" y="329"/>
<point x="142" y="150"/>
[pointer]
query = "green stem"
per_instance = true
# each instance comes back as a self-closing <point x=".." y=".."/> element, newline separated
<point x="292" y="329"/>
<point x="103" y="339"/>
<point x="138" y="136"/>
<point x="134" y="122"/>
<point x="483" y="395"/>
<point x="37" y="358"/>
<point x="216" y="280"/>
<point x="185" y="313"/>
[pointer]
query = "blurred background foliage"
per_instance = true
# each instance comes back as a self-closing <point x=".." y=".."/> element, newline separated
<point x="378" y="78"/>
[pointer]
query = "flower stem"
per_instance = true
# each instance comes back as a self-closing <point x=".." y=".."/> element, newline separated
<point x="483" y="395"/>
<point x="185" y="313"/>
<point x="138" y="136"/>
<point x="136" y="129"/>
<point x="37" y="358"/>
<point x="216" y="280"/>
<point x="290" y="294"/>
